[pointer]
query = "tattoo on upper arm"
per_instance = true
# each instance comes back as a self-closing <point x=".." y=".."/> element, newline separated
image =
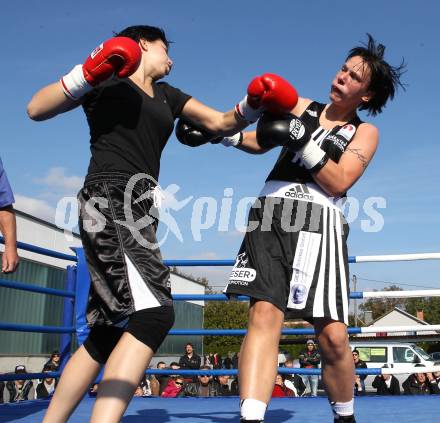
<point x="361" y="157"/>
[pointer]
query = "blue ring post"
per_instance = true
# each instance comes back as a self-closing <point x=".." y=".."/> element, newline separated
<point x="68" y="314"/>
<point x="82" y="293"/>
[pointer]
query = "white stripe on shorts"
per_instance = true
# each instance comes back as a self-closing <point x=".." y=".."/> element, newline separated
<point x="342" y="274"/>
<point x="142" y="296"/>
<point x="332" y="269"/>
<point x="318" y="303"/>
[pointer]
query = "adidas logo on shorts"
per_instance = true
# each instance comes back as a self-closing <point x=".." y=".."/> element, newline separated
<point x="300" y="192"/>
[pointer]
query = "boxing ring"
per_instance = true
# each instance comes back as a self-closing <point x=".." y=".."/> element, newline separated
<point x="414" y="409"/>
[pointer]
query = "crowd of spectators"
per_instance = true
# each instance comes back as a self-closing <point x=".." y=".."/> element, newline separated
<point x="205" y="385"/>
<point x="27" y="389"/>
<point x="422" y="383"/>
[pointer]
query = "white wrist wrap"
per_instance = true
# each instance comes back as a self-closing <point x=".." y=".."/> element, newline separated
<point x="232" y="141"/>
<point x="311" y="154"/>
<point x="74" y="84"/>
<point x="247" y="112"/>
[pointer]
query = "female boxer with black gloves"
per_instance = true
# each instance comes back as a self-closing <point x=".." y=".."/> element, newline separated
<point x="293" y="260"/>
<point x="297" y="259"/>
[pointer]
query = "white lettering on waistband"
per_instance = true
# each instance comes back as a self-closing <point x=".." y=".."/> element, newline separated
<point x="302" y="192"/>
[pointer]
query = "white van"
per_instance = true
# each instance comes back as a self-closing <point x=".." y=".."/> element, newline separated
<point x="396" y="355"/>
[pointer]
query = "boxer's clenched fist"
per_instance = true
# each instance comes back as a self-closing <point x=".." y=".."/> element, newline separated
<point x="268" y="92"/>
<point x="118" y="55"/>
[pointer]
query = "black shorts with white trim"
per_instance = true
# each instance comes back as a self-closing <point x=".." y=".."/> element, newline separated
<point x="294" y="256"/>
<point x="125" y="264"/>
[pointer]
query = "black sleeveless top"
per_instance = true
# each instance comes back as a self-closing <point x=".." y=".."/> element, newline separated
<point x="289" y="168"/>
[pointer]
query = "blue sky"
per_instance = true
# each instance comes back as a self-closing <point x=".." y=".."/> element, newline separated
<point x="219" y="47"/>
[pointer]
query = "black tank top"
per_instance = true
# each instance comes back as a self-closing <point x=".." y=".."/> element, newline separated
<point x="289" y="168"/>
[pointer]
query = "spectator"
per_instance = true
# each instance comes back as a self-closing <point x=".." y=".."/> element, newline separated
<point x="54" y="359"/>
<point x="223" y="383"/>
<point x="235" y="359"/>
<point x="207" y="361"/>
<point x="386" y="384"/>
<point x="143" y="389"/>
<point x="154" y="386"/>
<point x="46" y="386"/>
<point x="437" y="374"/>
<point x="227" y="362"/>
<point x="294" y="382"/>
<point x="204" y="387"/>
<point x="8" y="226"/>
<point x="145" y="386"/>
<point x="159" y="382"/>
<point x="175" y="385"/>
<point x="19" y="389"/>
<point x="310" y="359"/>
<point x="176" y="366"/>
<point x="235" y="389"/>
<point x="214" y="361"/>
<point x="432" y="383"/>
<point x="419" y="384"/>
<point x="280" y="389"/>
<point x="217" y="361"/>
<point x="359" y="380"/>
<point x="190" y="360"/>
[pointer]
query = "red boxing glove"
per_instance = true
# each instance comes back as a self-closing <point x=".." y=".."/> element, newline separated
<point x="272" y="92"/>
<point x="268" y="92"/>
<point x="118" y="55"/>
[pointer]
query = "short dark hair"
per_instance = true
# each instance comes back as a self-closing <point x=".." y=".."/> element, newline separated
<point x="355" y="351"/>
<point x="49" y="367"/>
<point x="160" y="362"/>
<point x="20" y="369"/>
<point x="144" y="32"/>
<point x="384" y="80"/>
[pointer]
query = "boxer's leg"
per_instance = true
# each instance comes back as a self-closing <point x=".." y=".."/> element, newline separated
<point x="79" y="373"/>
<point x="259" y="359"/>
<point x="128" y="361"/>
<point x="337" y="366"/>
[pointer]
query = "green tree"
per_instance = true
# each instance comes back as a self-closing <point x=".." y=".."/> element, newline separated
<point x="381" y="306"/>
<point x="224" y="315"/>
<point x="429" y="306"/>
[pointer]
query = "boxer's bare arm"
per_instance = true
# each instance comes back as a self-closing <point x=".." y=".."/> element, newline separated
<point x="66" y="94"/>
<point x="250" y="144"/>
<point x="49" y="102"/>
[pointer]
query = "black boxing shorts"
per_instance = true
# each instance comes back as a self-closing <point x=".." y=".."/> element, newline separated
<point x="125" y="263"/>
<point x="294" y="255"/>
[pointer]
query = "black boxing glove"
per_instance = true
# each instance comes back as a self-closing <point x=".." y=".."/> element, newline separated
<point x="189" y="134"/>
<point x="192" y="136"/>
<point x="292" y="132"/>
<point x="273" y="131"/>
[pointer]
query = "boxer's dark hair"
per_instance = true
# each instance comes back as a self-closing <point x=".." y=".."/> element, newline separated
<point x="144" y="32"/>
<point x="385" y="79"/>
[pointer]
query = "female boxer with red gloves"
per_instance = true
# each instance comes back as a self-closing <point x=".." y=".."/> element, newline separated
<point x="131" y="117"/>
